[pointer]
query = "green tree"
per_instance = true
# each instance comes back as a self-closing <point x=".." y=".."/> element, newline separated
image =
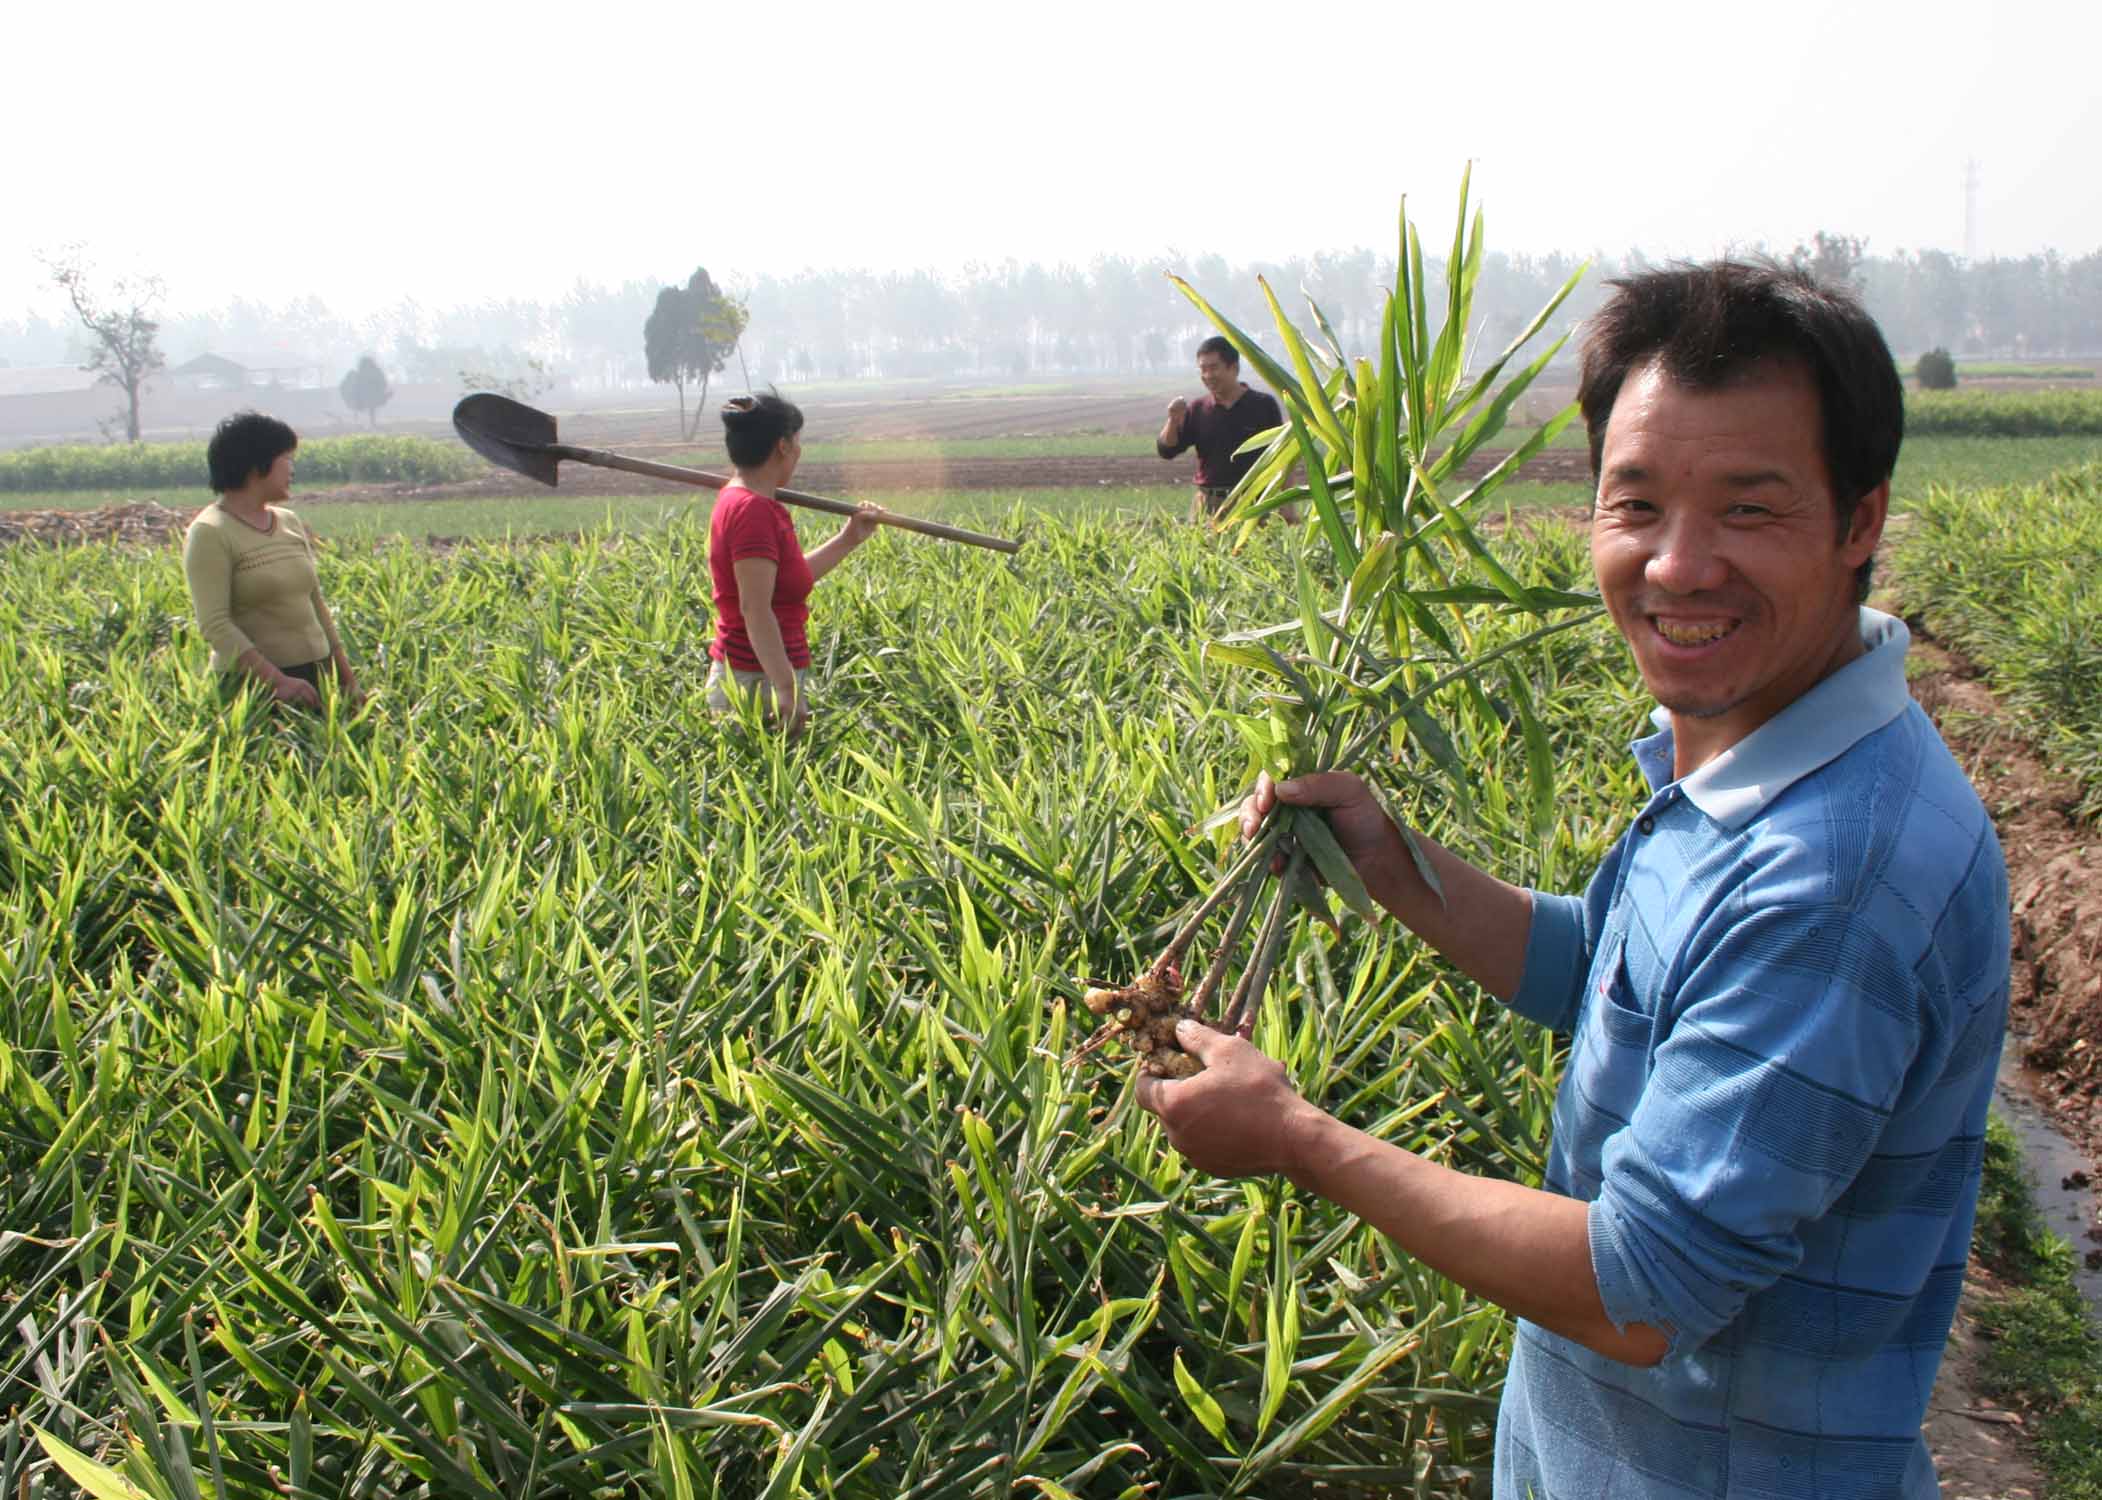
<point x="688" y="336"/>
<point x="365" y="389"/>
<point x="124" y="350"/>
<point x="1935" y="371"/>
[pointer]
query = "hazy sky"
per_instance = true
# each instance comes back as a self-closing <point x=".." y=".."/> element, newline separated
<point x="364" y="152"/>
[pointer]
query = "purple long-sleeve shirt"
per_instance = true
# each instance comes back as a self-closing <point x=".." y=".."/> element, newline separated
<point x="1215" y="431"/>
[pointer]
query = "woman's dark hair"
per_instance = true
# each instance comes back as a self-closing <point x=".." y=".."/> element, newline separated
<point x="1706" y="325"/>
<point x="1219" y="344"/>
<point x="244" y="445"/>
<point x="752" y="425"/>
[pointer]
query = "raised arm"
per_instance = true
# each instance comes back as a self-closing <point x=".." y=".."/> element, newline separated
<point x="859" y="528"/>
<point x="1171" y="441"/>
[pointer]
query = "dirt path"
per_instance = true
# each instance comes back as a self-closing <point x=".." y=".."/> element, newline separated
<point x="2054" y="867"/>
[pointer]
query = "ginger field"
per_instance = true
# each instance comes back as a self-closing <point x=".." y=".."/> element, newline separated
<point x="533" y="1088"/>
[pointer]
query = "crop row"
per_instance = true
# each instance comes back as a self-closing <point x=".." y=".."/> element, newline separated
<point x="2009" y="577"/>
<point x="537" y="1089"/>
<point x="2051" y="413"/>
<point x="370" y="458"/>
<point x="1969" y="369"/>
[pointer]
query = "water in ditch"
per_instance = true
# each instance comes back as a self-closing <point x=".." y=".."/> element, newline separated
<point x="2059" y="1171"/>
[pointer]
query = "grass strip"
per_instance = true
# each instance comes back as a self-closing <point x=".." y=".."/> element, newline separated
<point x="2045" y="1360"/>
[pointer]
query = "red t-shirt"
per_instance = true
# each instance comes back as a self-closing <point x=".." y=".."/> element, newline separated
<point x="748" y="525"/>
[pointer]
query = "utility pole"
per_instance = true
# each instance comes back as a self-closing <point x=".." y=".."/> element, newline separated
<point x="1970" y="211"/>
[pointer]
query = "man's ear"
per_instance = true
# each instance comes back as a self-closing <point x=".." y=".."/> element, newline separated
<point x="1865" y="528"/>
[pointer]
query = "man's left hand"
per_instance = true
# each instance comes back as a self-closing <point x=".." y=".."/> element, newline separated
<point x="1240" y="1117"/>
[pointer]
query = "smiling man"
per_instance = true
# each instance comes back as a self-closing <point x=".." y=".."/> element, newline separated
<point x="1785" y="989"/>
<point x="1228" y="414"/>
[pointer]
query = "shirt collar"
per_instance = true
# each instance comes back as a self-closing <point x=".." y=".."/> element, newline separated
<point x="1819" y="727"/>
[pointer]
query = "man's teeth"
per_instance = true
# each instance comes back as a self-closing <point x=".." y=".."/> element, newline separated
<point x="1687" y="633"/>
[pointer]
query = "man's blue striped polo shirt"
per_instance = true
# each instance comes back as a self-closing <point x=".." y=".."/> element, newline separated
<point x="1786" y="989"/>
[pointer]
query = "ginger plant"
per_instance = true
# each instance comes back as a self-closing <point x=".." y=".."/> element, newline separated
<point x="1378" y="452"/>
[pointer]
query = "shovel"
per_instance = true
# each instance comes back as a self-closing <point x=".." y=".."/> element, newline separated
<point x="517" y="437"/>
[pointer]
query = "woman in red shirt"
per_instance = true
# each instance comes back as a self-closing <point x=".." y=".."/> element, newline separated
<point x="762" y="577"/>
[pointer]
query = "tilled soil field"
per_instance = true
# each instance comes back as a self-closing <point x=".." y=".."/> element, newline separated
<point x="847" y="480"/>
<point x="1118" y="409"/>
<point x="899" y="475"/>
<point x="935" y="417"/>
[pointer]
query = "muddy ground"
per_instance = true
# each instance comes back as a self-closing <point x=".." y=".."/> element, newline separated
<point x="2054" y="867"/>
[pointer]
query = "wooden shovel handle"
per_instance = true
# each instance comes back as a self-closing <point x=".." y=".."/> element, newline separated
<point x="679" y="474"/>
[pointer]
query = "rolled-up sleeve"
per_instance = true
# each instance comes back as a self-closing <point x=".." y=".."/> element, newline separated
<point x="209" y="568"/>
<point x="1793" y="1034"/>
<point x="1557" y="954"/>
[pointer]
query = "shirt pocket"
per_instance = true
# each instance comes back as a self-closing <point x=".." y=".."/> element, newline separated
<point x="1614" y="1049"/>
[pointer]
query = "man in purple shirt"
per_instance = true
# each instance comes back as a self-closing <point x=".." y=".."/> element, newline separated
<point x="1227" y="415"/>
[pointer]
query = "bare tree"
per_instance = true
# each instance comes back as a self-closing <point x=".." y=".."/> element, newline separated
<point x="124" y="351"/>
<point x="1834" y="259"/>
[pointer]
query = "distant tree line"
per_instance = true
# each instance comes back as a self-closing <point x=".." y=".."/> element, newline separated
<point x="1114" y="315"/>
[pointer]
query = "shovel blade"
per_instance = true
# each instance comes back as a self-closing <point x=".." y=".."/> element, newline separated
<point x="509" y="434"/>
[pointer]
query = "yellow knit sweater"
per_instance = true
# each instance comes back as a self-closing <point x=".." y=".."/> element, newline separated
<point x="255" y="588"/>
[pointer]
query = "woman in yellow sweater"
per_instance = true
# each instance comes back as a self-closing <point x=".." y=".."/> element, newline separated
<point x="250" y="563"/>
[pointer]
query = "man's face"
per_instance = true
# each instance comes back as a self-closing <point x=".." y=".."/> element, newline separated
<point x="1716" y="544"/>
<point x="1221" y="377"/>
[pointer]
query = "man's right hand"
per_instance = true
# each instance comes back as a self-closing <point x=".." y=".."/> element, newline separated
<point x="1177" y="410"/>
<point x="293" y="690"/>
<point x="1367" y="835"/>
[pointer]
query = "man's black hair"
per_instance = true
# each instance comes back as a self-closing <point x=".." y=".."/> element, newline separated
<point x="752" y="425"/>
<point x="1220" y="345"/>
<point x="244" y="445"/>
<point x="1706" y="325"/>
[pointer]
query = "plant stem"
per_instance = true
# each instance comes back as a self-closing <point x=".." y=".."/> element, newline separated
<point x="1248" y="994"/>
<point x="1257" y="850"/>
<point x="1251" y="892"/>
